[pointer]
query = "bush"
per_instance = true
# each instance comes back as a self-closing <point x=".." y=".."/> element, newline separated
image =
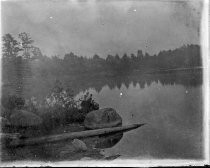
<point x="12" y="101"/>
<point x="9" y="103"/>
<point x="32" y="105"/>
<point x="63" y="108"/>
<point x="75" y="115"/>
<point x="88" y="104"/>
<point x="57" y="109"/>
<point x="53" y="117"/>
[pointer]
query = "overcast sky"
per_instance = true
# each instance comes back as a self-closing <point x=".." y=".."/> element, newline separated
<point x="103" y="27"/>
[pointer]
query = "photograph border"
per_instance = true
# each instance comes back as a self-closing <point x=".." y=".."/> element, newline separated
<point x="205" y="22"/>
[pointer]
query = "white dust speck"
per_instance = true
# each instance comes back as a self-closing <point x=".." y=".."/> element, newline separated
<point x="186" y="91"/>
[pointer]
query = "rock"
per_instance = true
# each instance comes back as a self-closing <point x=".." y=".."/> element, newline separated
<point x="79" y="145"/>
<point x="24" y="118"/>
<point x="86" y="158"/>
<point x="68" y="149"/>
<point x="102" y="118"/>
<point x="112" y="157"/>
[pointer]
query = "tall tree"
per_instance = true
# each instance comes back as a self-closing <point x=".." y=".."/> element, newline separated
<point x="110" y="58"/>
<point x="125" y="58"/>
<point x="26" y="43"/>
<point x="139" y="54"/>
<point x="70" y="57"/>
<point x="10" y="47"/>
<point x="133" y="57"/>
<point x="147" y="55"/>
<point x="117" y="57"/>
<point x="96" y="57"/>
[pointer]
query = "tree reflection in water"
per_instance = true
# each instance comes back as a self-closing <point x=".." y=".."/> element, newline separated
<point x="97" y="83"/>
<point x="40" y="88"/>
<point x="104" y="141"/>
<point x="108" y="141"/>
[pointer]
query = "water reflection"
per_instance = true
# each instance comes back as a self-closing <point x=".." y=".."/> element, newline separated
<point x="108" y="141"/>
<point x="173" y="114"/>
<point x="29" y="87"/>
<point x="97" y="83"/>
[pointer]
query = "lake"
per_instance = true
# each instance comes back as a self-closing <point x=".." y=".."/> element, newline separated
<point x="170" y="104"/>
<point x="173" y="113"/>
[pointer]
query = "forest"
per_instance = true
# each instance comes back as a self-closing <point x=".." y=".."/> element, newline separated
<point x="22" y="53"/>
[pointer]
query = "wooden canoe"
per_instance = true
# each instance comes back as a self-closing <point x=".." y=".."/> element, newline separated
<point x="72" y="135"/>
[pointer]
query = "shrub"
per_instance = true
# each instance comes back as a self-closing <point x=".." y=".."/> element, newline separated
<point x="88" y="104"/>
<point x="32" y="105"/>
<point x="12" y="101"/>
<point x="75" y="115"/>
<point x="57" y="109"/>
<point x="53" y="117"/>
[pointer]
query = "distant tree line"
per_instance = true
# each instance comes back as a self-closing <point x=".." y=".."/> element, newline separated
<point x="22" y="50"/>
<point x="186" y="56"/>
<point x="24" y="65"/>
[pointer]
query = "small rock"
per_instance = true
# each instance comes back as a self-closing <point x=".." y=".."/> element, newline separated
<point x="86" y="158"/>
<point x="66" y="150"/>
<point x="112" y="157"/>
<point x="102" y="152"/>
<point x="79" y="145"/>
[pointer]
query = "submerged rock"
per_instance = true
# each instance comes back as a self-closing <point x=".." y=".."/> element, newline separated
<point x="103" y="118"/>
<point x="112" y="157"/>
<point x="79" y="145"/>
<point x="66" y="150"/>
<point x="22" y="118"/>
<point x="86" y="158"/>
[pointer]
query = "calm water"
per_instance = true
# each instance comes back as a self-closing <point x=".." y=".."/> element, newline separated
<point x="170" y="104"/>
<point x="173" y="113"/>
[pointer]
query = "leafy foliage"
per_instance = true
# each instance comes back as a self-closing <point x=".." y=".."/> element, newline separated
<point x="88" y="104"/>
<point x="61" y="97"/>
<point x="12" y="101"/>
<point x="57" y="109"/>
<point x="25" y="42"/>
<point x="10" y="47"/>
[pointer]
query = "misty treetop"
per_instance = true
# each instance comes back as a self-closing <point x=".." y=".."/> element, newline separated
<point x="23" y="49"/>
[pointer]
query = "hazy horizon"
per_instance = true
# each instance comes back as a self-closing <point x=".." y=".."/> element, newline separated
<point x="104" y="27"/>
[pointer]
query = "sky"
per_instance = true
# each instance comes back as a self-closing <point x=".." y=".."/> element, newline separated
<point x="88" y="27"/>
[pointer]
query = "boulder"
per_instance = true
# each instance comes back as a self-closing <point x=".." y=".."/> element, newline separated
<point x="102" y="118"/>
<point x="22" y="118"/>
<point x="79" y="145"/>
